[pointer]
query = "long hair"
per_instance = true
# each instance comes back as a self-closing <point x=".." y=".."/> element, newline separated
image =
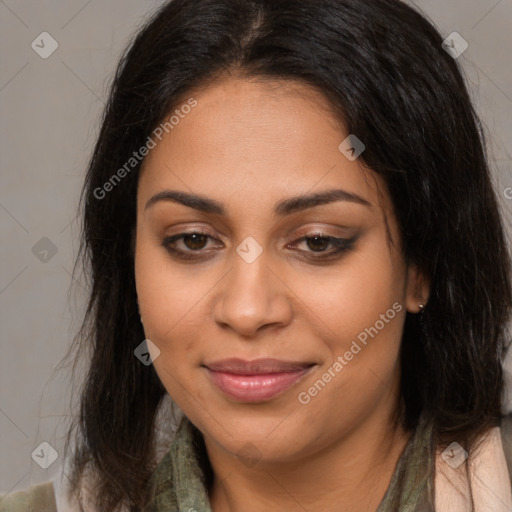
<point x="383" y="69"/>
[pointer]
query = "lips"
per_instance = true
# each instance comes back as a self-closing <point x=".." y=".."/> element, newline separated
<point x="258" y="380"/>
<point x="256" y="367"/>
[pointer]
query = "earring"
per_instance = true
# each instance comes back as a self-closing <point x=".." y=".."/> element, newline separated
<point x="422" y="324"/>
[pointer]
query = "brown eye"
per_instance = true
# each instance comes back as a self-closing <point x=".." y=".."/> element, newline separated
<point x="191" y="246"/>
<point x="187" y="245"/>
<point x="320" y="246"/>
<point x="195" y="241"/>
<point x="318" y="243"/>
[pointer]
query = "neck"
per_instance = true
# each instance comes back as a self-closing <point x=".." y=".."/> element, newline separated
<point x="351" y="473"/>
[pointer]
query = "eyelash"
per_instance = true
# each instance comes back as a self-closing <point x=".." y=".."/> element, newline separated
<point x="340" y="245"/>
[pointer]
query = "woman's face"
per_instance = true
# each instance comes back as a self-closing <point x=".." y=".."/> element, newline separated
<point x="251" y="286"/>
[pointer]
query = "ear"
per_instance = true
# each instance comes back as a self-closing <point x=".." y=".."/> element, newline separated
<point x="417" y="289"/>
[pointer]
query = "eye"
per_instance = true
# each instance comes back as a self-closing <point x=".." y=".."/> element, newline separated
<point x="193" y="241"/>
<point x="193" y="245"/>
<point x="319" y="243"/>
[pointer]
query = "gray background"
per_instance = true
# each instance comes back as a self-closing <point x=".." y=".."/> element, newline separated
<point x="50" y="110"/>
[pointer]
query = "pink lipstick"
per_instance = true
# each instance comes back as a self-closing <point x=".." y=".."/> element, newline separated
<point x="258" y="380"/>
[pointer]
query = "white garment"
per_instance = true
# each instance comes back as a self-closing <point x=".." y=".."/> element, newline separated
<point x="489" y="480"/>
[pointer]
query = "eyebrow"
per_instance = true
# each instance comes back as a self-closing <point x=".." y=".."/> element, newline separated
<point x="282" y="208"/>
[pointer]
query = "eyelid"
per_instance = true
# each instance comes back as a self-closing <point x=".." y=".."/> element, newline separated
<point x="294" y="235"/>
<point x="323" y="231"/>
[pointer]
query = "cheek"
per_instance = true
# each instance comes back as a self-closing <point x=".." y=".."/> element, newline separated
<point x="361" y="313"/>
<point x="168" y="303"/>
<point x="354" y="297"/>
<point x="169" y="295"/>
<point x="169" y="323"/>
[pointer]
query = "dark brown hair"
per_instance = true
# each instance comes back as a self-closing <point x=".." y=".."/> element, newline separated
<point x="382" y="67"/>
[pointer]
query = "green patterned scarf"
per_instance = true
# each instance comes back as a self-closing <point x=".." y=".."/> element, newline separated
<point x="178" y="483"/>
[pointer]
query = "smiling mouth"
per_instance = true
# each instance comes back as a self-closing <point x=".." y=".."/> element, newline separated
<point x="256" y="381"/>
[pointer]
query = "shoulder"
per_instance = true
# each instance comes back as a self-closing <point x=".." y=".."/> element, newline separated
<point x="38" y="498"/>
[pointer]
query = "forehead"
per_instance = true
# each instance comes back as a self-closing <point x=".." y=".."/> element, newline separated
<point x="252" y="143"/>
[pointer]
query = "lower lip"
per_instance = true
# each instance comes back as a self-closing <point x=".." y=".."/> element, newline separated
<point x="255" y="388"/>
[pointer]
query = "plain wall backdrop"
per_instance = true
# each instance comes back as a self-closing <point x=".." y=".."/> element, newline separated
<point x="50" y="105"/>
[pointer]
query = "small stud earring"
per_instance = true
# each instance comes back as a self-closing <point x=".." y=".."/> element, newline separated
<point x="421" y="306"/>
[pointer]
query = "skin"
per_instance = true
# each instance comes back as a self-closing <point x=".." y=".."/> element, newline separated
<point x="248" y="145"/>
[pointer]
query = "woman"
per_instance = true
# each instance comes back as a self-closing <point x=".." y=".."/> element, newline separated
<point x="289" y="213"/>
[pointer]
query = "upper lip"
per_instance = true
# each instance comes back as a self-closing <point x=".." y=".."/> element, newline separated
<point x="256" y="366"/>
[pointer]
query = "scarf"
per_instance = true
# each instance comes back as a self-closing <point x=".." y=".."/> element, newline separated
<point x="178" y="483"/>
<point x="424" y="479"/>
<point x="423" y="476"/>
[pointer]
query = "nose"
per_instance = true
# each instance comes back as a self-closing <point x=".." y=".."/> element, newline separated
<point x="252" y="297"/>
